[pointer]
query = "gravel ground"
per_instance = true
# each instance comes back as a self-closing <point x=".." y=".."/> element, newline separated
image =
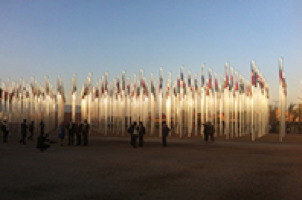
<point x="187" y="169"/>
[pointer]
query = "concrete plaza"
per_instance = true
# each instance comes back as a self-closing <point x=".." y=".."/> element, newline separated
<point x="109" y="168"/>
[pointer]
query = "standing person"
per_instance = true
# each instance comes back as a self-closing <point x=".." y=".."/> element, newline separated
<point x="141" y="133"/>
<point x="78" y="131"/>
<point x="208" y="131"/>
<point x="31" y="130"/>
<point x="5" y="130"/>
<point x="61" y="133"/>
<point x="42" y="125"/>
<point x="165" y="133"/>
<point x="130" y="131"/>
<point x="85" y="132"/>
<point x="23" y="132"/>
<point x="134" y="134"/>
<point x="71" y="131"/>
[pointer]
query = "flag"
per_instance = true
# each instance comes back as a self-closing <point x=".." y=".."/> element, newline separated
<point x="241" y="86"/>
<point x="216" y="84"/>
<point x="226" y="80"/>
<point x="210" y="85"/>
<point x="202" y="80"/>
<point x="196" y="82"/>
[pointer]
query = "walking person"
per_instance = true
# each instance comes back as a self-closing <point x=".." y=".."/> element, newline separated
<point x="23" y="132"/>
<point x="165" y="133"/>
<point x="85" y="132"/>
<point x="31" y="130"/>
<point x="61" y="133"/>
<point x="141" y="133"/>
<point x="5" y="130"/>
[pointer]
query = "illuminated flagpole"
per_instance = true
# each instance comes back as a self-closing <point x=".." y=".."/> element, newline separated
<point x="254" y="95"/>
<point x="216" y="90"/>
<point x="181" y="103"/>
<point x="196" y="100"/>
<point x="61" y="100"/>
<point x="236" y="104"/>
<point x="226" y="95"/>
<point x="160" y="100"/>
<point x="153" y="97"/>
<point x="73" y="98"/>
<point x="168" y="101"/>
<point x="202" y="99"/>
<point x="282" y="100"/>
<point x="189" y="103"/>
<point x="221" y="117"/>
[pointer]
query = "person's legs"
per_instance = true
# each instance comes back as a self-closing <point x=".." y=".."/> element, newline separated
<point x="164" y="141"/>
<point x="212" y="137"/>
<point x="134" y="141"/>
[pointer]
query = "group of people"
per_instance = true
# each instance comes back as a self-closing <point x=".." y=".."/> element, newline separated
<point x="79" y="130"/>
<point x="77" y="133"/>
<point x="138" y="131"/>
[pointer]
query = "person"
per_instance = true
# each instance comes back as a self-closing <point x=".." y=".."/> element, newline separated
<point x="42" y="125"/>
<point x="31" y="130"/>
<point x="5" y="130"/>
<point x="41" y="142"/>
<point x="23" y="132"/>
<point x="208" y="131"/>
<point x="130" y="131"/>
<point x="78" y="131"/>
<point x="61" y="133"/>
<point x="135" y="134"/>
<point x="141" y="133"/>
<point x="165" y="133"/>
<point x="85" y="132"/>
<point x="71" y="131"/>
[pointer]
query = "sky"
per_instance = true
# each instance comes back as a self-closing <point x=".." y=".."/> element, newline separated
<point x="62" y="37"/>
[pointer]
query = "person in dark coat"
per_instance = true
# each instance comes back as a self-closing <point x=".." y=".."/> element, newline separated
<point x="31" y="130"/>
<point x="141" y="133"/>
<point x="85" y="132"/>
<point x="79" y="127"/>
<point x="71" y="132"/>
<point x="130" y="131"/>
<point x="165" y="133"/>
<point x="208" y="131"/>
<point x="5" y="130"/>
<point x="23" y="132"/>
<point x="42" y="126"/>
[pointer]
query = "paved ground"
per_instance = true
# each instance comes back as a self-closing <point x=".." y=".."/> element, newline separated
<point x="187" y="169"/>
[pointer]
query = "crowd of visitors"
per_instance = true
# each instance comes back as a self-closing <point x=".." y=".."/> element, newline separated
<point x="78" y="133"/>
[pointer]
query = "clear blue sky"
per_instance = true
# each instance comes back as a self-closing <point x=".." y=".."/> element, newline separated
<point x="59" y="37"/>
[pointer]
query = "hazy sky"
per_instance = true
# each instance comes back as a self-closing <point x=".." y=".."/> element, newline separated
<point x="59" y="37"/>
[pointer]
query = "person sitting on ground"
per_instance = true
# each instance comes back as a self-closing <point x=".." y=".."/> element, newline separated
<point x="42" y="142"/>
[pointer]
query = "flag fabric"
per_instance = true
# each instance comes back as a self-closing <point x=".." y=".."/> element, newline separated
<point x="226" y="80"/>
